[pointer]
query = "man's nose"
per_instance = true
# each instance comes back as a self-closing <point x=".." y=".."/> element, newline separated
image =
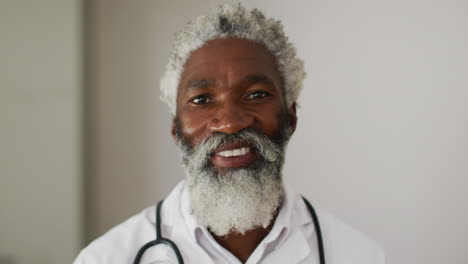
<point x="230" y="118"/>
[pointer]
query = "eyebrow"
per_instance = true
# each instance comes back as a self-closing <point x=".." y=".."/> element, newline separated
<point x="251" y="79"/>
<point x="202" y="83"/>
<point x="259" y="78"/>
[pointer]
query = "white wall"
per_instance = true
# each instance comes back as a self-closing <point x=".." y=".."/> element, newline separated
<point x="40" y="131"/>
<point x="381" y="140"/>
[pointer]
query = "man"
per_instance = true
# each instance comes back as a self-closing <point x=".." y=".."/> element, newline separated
<point x="232" y="85"/>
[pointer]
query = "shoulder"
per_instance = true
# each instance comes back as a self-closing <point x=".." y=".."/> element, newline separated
<point x="342" y="243"/>
<point x="121" y="243"/>
<point x="345" y="244"/>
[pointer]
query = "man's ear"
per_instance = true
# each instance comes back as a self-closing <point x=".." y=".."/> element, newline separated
<point x="173" y="129"/>
<point x="292" y="116"/>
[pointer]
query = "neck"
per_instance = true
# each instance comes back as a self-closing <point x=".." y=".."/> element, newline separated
<point x="243" y="245"/>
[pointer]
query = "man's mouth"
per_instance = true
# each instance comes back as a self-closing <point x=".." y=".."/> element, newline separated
<point x="233" y="155"/>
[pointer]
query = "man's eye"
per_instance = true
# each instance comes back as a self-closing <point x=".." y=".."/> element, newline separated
<point x="200" y="99"/>
<point x="257" y="95"/>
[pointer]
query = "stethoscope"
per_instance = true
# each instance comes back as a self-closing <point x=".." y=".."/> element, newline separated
<point x="162" y="240"/>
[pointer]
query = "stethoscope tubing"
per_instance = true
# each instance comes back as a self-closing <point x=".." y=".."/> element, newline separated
<point x="162" y="240"/>
<point x="159" y="240"/>
<point x="317" y="230"/>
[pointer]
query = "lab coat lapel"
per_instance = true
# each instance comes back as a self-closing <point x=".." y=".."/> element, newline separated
<point x="294" y="249"/>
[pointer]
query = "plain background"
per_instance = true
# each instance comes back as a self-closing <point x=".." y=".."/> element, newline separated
<point x="41" y="171"/>
<point x="381" y="140"/>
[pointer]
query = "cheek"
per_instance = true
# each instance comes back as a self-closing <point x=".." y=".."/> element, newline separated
<point x="195" y="123"/>
<point x="193" y="126"/>
<point x="268" y="121"/>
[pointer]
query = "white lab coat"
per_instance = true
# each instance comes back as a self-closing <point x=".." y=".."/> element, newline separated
<point x="291" y="240"/>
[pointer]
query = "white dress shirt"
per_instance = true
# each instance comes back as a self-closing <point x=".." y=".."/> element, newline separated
<point x="291" y="240"/>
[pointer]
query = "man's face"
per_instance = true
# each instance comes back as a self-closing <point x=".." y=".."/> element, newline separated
<point x="229" y="85"/>
<point x="232" y="126"/>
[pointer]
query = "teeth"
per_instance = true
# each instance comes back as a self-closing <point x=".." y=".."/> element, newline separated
<point x="244" y="151"/>
<point x="227" y="153"/>
<point x="234" y="152"/>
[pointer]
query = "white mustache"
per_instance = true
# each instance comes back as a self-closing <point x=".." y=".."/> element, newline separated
<point x="268" y="150"/>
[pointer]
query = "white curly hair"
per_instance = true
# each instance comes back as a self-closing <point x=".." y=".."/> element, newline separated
<point x="233" y="20"/>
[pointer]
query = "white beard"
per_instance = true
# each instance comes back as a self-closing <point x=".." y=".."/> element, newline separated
<point x="237" y="201"/>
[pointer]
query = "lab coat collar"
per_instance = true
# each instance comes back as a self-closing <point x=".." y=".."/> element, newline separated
<point x="292" y="214"/>
<point x="289" y="216"/>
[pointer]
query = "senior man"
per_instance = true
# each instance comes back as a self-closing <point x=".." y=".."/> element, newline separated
<point x="232" y="84"/>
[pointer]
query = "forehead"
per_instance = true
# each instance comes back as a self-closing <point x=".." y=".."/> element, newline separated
<point x="225" y="60"/>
